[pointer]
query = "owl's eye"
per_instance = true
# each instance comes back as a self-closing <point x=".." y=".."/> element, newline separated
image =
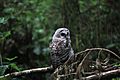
<point x="63" y="34"/>
<point x="67" y="33"/>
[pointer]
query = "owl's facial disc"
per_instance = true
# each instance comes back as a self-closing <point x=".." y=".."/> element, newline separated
<point x="61" y="33"/>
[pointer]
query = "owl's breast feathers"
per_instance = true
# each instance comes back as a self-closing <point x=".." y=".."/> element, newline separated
<point x="58" y="46"/>
<point x="59" y="52"/>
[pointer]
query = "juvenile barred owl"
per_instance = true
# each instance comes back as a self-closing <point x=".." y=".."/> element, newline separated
<point x="61" y="50"/>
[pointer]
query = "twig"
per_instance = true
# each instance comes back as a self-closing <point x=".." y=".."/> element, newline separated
<point x="15" y="74"/>
<point x="79" y="68"/>
<point x="102" y="49"/>
<point x="103" y="75"/>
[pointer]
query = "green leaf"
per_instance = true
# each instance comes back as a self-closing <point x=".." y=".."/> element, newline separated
<point x="6" y="34"/>
<point x="111" y="45"/>
<point x="2" y="20"/>
<point x="14" y="66"/>
<point x="9" y="10"/>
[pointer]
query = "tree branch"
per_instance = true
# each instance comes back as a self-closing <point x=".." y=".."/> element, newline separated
<point x="108" y="74"/>
<point x="94" y="49"/>
<point x="15" y="74"/>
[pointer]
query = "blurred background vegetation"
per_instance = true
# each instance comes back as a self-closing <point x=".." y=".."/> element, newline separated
<point x="26" y="28"/>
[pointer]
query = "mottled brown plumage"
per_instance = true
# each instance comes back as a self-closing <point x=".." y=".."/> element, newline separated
<point x="61" y="50"/>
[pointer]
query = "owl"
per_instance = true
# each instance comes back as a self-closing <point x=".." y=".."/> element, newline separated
<point x="60" y="47"/>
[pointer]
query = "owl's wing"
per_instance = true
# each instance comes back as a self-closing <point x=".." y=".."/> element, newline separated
<point x="71" y="57"/>
<point x="64" y="55"/>
<point x="59" y="54"/>
<point x="53" y="52"/>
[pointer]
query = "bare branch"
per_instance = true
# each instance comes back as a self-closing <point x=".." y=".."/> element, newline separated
<point x="102" y="75"/>
<point x="80" y="65"/>
<point x="102" y="49"/>
<point x="97" y="76"/>
<point x="14" y="74"/>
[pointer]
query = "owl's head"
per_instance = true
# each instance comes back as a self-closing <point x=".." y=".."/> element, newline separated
<point x="62" y="33"/>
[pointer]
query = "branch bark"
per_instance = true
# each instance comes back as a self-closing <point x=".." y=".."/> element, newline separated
<point x="25" y="72"/>
<point x="103" y="75"/>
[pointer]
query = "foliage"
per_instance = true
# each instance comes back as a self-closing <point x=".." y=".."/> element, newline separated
<point x="26" y="27"/>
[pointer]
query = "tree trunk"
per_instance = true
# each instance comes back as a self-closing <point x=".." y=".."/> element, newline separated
<point x="71" y="19"/>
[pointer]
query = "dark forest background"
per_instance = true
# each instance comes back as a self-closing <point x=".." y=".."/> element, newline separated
<point x="26" y="28"/>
